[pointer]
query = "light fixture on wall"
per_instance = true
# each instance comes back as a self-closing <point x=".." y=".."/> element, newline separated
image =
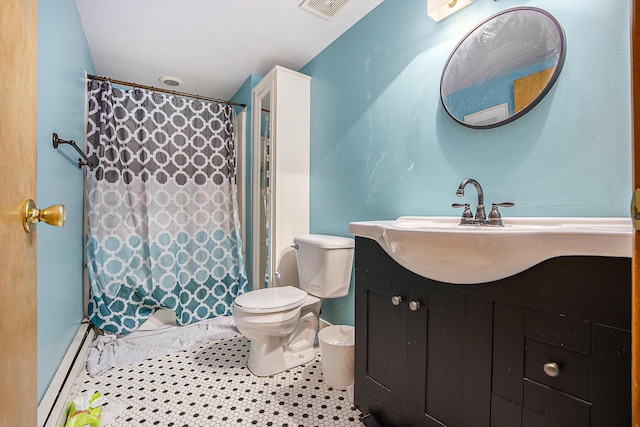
<point x="440" y="9"/>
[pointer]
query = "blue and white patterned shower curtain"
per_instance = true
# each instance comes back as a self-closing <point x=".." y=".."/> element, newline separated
<point x="163" y="228"/>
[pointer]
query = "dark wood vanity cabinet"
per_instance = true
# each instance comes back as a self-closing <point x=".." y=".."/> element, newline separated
<point x="547" y="347"/>
<point x="551" y="370"/>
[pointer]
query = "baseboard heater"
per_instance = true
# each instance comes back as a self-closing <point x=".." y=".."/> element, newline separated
<point x="52" y="410"/>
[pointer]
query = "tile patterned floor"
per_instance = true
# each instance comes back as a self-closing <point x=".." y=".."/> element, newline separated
<point x="211" y="386"/>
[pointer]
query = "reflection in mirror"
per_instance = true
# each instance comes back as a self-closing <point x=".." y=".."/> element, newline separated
<point x="264" y="221"/>
<point x="503" y="67"/>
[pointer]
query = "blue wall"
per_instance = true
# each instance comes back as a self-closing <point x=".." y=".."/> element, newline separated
<point x="382" y="145"/>
<point x="63" y="57"/>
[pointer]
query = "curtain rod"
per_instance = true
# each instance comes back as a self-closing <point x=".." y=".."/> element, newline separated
<point x="157" y="89"/>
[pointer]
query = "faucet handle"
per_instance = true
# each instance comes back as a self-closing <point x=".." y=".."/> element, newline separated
<point x="494" y="216"/>
<point x="504" y="204"/>
<point x="466" y="213"/>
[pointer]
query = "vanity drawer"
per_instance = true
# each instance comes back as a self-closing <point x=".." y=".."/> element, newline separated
<point x="532" y="419"/>
<point x="572" y="370"/>
<point x="558" y="330"/>
<point x="554" y="405"/>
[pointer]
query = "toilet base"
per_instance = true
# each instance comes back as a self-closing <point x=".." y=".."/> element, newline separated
<point x="271" y="354"/>
<point x="264" y="362"/>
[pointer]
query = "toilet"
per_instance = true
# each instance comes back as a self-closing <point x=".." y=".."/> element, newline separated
<point x="282" y="321"/>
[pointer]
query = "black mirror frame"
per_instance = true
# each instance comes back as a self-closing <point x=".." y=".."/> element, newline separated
<point x="543" y="92"/>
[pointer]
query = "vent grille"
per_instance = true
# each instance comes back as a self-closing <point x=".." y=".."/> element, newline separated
<point x="324" y="8"/>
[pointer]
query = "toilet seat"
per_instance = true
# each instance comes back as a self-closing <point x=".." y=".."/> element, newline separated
<point x="271" y="300"/>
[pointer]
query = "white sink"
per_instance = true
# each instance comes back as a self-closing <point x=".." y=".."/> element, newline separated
<point x="441" y="249"/>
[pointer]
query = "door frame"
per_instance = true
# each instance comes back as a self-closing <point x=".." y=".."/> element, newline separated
<point x="635" y="292"/>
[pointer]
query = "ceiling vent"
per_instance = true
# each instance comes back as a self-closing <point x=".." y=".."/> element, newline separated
<point x="323" y="8"/>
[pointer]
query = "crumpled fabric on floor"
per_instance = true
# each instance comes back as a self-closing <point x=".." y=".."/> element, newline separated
<point x="112" y="351"/>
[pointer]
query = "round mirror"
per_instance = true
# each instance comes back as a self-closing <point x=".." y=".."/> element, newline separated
<point x="503" y="67"/>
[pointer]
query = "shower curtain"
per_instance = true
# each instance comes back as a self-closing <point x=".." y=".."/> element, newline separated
<point x="162" y="219"/>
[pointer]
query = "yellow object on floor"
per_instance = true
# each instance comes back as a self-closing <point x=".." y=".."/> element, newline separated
<point x="85" y="410"/>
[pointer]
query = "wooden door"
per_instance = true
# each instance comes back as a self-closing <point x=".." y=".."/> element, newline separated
<point x="18" y="362"/>
<point x="635" y="326"/>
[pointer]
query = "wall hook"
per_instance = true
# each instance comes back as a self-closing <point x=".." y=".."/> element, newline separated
<point x="86" y="162"/>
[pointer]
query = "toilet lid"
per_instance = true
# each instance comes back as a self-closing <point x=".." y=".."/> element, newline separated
<point x="271" y="299"/>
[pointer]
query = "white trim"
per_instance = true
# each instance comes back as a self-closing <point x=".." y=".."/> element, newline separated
<point x="52" y="410"/>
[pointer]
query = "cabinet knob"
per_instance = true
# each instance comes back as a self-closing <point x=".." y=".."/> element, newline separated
<point x="414" y="305"/>
<point x="396" y="300"/>
<point x="552" y="369"/>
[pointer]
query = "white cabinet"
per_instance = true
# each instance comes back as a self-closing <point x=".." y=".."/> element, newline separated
<point x="280" y="173"/>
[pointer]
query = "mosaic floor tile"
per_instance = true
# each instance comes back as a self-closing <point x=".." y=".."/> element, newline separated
<point x="211" y="386"/>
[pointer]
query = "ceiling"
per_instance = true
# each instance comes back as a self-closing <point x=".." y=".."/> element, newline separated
<point x="211" y="45"/>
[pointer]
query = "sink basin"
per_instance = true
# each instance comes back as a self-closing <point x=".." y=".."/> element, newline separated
<point x="441" y="249"/>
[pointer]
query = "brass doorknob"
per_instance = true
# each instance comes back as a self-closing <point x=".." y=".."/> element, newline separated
<point x="55" y="215"/>
<point x="635" y="213"/>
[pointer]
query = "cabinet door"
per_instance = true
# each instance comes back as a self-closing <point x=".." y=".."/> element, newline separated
<point x="381" y="349"/>
<point x="611" y="377"/>
<point x="425" y="361"/>
<point x="459" y="336"/>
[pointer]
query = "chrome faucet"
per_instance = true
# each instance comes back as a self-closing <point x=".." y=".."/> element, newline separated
<point x="480" y="213"/>
<point x="481" y="217"/>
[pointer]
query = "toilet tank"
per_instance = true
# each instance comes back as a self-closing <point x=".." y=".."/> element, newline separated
<point x="324" y="264"/>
